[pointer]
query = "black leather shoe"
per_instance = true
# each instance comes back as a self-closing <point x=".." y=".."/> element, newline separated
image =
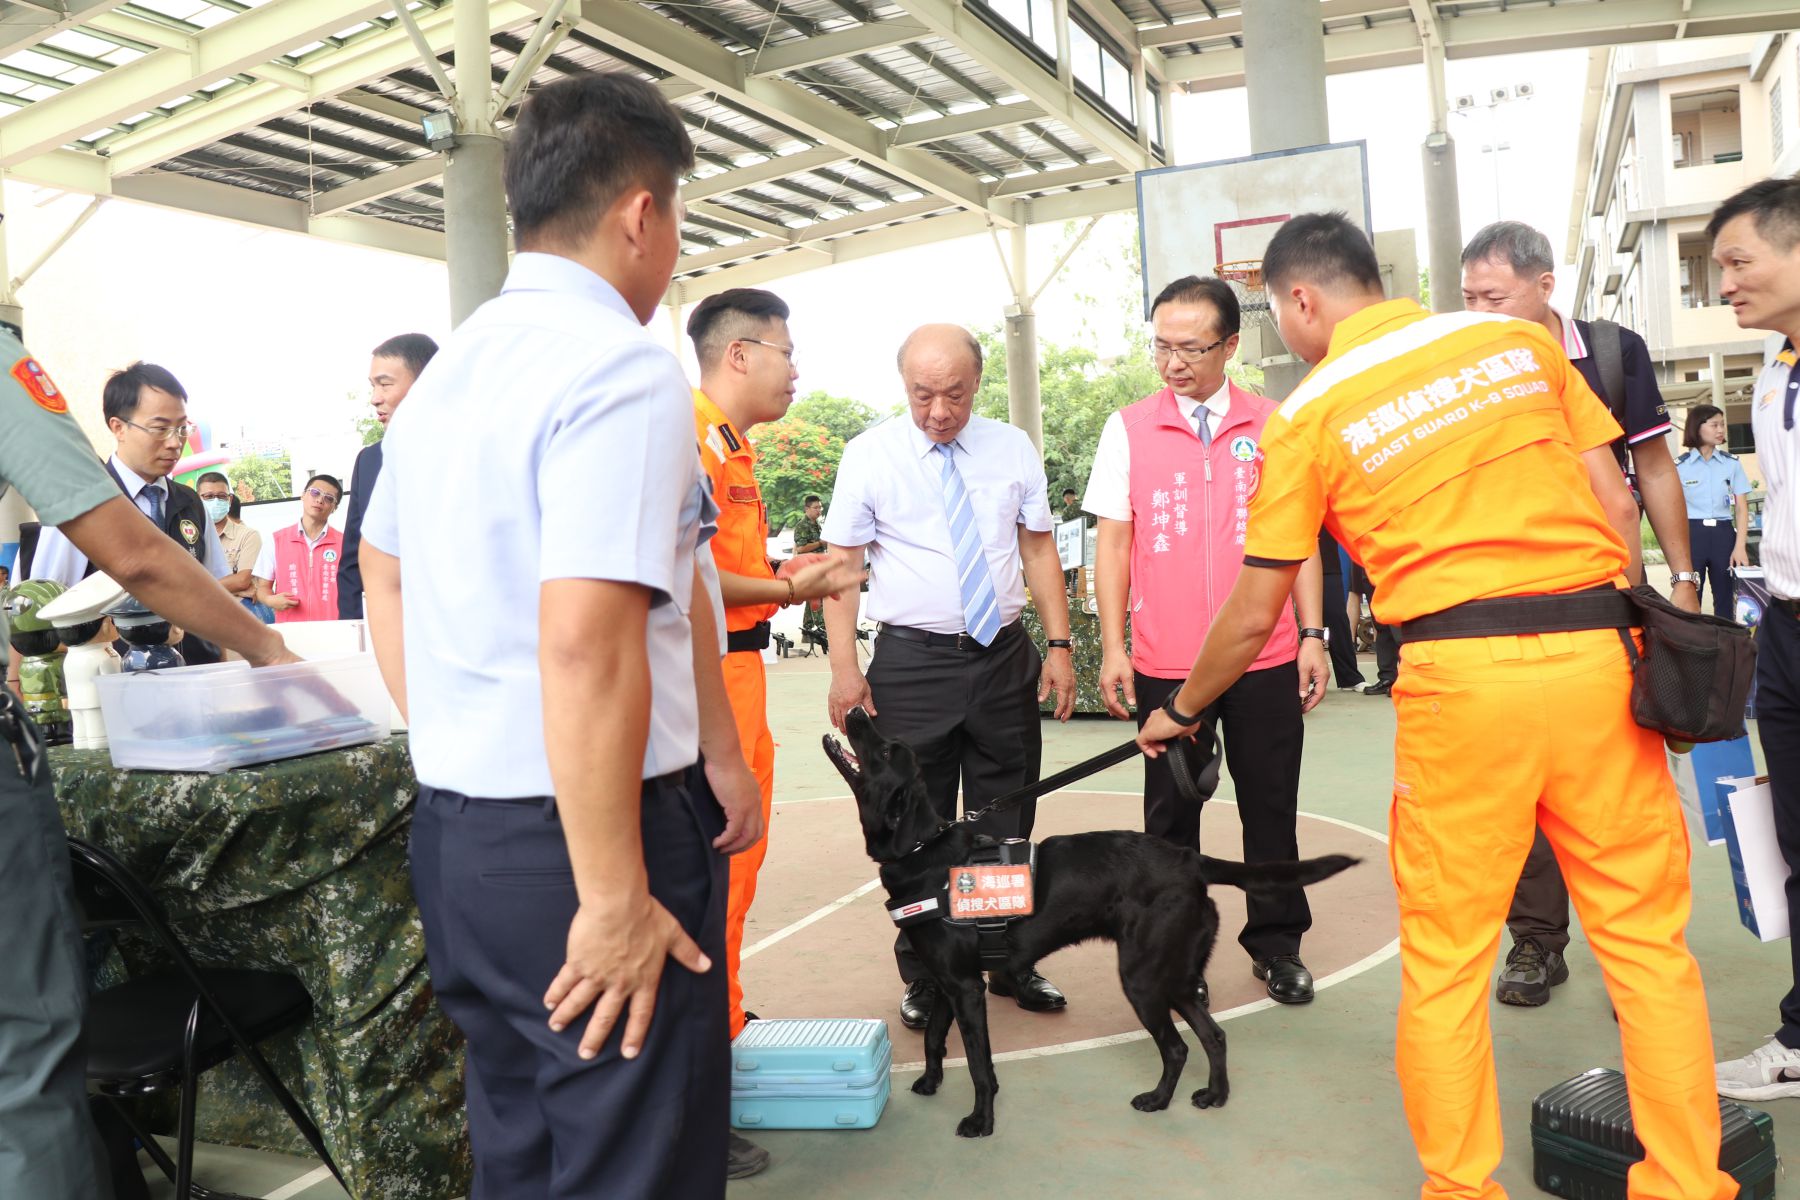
<point x="915" y="1006"/>
<point x="1203" y="995"/>
<point x="1033" y="993"/>
<point x="1289" y="980"/>
<point x="1379" y="689"/>
<point x="744" y="1158"/>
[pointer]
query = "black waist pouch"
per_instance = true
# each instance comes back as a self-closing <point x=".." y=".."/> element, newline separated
<point x="1693" y="678"/>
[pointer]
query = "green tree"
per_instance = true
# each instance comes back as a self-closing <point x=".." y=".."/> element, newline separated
<point x="270" y="477"/>
<point x="1079" y="391"/>
<point x="841" y="416"/>
<point x="369" y="428"/>
<point x="794" y="458"/>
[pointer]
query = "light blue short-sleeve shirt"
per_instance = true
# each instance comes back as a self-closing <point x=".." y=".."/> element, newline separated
<point x="1711" y="485"/>
<point x="550" y="438"/>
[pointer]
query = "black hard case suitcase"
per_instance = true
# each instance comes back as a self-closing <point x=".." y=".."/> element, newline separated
<point x="1582" y="1141"/>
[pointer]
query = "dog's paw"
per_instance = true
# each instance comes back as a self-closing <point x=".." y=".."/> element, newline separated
<point x="1207" y="1098"/>
<point x="925" y="1085"/>
<point x="975" y="1125"/>
<point x="1150" y="1102"/>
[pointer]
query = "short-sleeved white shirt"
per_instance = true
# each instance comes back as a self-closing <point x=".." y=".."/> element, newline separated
<point x="550" y="438"/>
<point x="1109" y="481"/>
<point x="57" y="558"/>
<point x="889" y="498"/>
<point x="1778" y="457"/>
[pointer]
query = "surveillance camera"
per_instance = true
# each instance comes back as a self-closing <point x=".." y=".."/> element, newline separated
<point x="1465" y="102"/>
<point x="1496" y="95"/>
<point x="1524" y="91"/>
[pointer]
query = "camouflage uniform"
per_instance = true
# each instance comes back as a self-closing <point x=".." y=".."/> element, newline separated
<point x="1084" y="631"/>
<point x="301" y="866"/>
<point x="812" y="613"/>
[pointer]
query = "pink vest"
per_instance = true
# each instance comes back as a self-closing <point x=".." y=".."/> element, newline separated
<point x="1189" y="504"/>
<point x="308" y="574"/>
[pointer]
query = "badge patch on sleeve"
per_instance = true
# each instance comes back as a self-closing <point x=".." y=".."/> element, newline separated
<point x="36" y="382"/>
<point x="1001" y="890"/>
<point x="190" y="532"/>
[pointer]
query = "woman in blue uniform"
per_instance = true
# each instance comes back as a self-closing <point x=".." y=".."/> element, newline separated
<point x="1714" y="484"/>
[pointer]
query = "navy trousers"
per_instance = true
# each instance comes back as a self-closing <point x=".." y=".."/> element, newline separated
<point x="1778" y="728"/>
<point x="496" y="894"/>
<point x="1711" y="547"/>
<point x="48" y="1147"/>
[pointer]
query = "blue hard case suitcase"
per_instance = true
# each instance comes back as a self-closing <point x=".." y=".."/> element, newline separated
<point x="1582" y="1141"/>
<point x="810" y="1074"/>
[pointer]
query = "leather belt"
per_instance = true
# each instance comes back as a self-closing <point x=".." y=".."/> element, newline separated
<point x="754" y="638"/>
<point x="1604" y="607"/>
<point x="953" y="641"/>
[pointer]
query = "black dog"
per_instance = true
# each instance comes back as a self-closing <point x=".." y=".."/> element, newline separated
<point x="1137" y="891"/>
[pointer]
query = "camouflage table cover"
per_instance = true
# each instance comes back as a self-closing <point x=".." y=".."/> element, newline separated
<point x="301" y="866"/>
<point x="1084" y="631"/>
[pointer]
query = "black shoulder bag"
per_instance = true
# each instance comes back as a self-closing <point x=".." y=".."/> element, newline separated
<point x="1693" y="678"/>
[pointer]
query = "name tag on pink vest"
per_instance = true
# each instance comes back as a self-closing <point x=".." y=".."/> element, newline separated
<point x="1190" y="510"/>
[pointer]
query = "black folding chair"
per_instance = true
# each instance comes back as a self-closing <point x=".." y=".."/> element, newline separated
<point x="159" y="1031"/>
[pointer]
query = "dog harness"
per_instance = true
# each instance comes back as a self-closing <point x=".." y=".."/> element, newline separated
<point x="996" y="887"/>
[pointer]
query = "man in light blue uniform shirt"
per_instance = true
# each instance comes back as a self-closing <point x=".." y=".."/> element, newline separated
<point x="1714" y="485"/>
<point x="581" y="778"/>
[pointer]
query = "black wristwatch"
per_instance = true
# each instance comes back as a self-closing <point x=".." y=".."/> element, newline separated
<point x="1176" y="715"/>
<point x="1324" y="635"/>
<point x="1060" y="644"/>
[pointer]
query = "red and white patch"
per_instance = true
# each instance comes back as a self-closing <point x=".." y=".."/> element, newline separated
<point x="38" y="385"/>
<point x="988" y="892"/>
<point x="739" y="493"/>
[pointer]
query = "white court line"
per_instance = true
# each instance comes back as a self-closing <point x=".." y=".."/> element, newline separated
<point x="810" y="918"/>
<point x="1366" y="963"/>
<point x="289" y="1190"/>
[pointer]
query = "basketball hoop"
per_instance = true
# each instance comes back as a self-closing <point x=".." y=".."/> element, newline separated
<point x="1246" y="279"/>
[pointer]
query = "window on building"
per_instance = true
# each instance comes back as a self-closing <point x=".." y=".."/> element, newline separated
<point x="1777" y="119"/>
<point x="1700" y="275"/>
<point x="1739" y="438"/>
<point x="1156" y="127"/>
<point x="1705" y="128"/>
<point x="1100" y="70"/>
<point x="1033" y="20"/>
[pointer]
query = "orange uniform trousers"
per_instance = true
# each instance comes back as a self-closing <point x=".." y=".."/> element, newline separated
<point x="1498" y="737"/>
<point x="747" y="687"/>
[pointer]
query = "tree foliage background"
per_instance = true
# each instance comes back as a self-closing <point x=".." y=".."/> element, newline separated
<point x="269" y="477"/>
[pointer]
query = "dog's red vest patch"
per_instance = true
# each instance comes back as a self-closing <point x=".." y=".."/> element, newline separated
<point x="990" y="892"/>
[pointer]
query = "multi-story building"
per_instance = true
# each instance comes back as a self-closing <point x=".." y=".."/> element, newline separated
<point x="1670" y="129"/>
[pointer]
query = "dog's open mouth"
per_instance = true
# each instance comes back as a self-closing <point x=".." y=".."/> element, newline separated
<point x="843" y="759"/>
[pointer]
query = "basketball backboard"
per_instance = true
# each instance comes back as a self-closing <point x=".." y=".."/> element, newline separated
<point x="1193" y="218"/>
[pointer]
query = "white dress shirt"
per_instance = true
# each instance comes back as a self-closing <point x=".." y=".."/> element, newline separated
<point x="1778" y="456"/>
<point x="58" y="559"/>
<point x="550" y="438"/>
<point x="889" y="497"/>
<point x="1109" y="483"/>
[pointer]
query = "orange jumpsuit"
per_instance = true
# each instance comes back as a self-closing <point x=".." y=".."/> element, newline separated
<point x="1444" y="452"/>
<point x="740" y="547"/>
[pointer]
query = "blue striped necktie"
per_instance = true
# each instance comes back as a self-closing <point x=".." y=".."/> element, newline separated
<point x="981" y="607"/>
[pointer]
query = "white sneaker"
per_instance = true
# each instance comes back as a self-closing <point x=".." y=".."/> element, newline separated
<point x="1769" y="1072"/>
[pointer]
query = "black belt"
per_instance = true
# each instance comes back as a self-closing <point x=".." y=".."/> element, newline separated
<point x="1604" y="607"/>
<point x="754" y="638"/>
<point x="953" y="641"/>
<point x="1785" y="605"/>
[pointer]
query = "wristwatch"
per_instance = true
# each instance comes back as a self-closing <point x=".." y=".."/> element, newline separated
<point x="1059" y="644"/>
<point x="1324" y="635"/>
<point x="1692" y="577"/>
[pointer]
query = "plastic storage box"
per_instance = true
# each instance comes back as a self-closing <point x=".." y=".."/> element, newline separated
<point x="1582" y="1141"/>
<point x="810" y="1074"/>
<point x="214" y="718"/>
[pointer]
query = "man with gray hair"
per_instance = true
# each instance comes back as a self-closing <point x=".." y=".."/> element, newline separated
<point x="1508" y="268"/>
<point x="953" y="512"/>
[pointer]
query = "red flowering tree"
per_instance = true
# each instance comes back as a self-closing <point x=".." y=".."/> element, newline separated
<point x="797" y="456"/>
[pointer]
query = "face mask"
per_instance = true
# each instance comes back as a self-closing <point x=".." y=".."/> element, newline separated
<point x="216" y="509"/>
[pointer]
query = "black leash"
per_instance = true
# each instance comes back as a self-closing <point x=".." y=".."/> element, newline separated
<point x="1195" y="786"/>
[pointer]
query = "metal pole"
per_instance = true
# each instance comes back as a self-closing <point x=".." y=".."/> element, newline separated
<point x="1443" y="206"/>
<point x="474" y="193"/>
<point x="1284" y="74"/>
<point x="12" y="314"/>
<point x="1024" y="398"/>
<point x="1065" y="65"/>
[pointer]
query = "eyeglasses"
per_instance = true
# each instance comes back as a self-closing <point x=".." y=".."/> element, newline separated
<point x="1190" y="357"/>
<point x="164" y="433"/>
<point x="792" y="355"/>
<point x="322" y="494"/>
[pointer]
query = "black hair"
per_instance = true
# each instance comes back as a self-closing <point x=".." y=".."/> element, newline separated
<point x="331" y="479"/>
<point x="1204" y="289"/>
<point x="237" y="506"/>
<point x="1070" y="492"/>
<point x="579" y="143"/>
<point x="413" y="349"/>
<point x="1697" y="416"/>
<point x="811" y="500"/>
<point x="1324" y="249"/>
<point x="1514" y="243"/>
<point x="1774" y="206"/>
<point x="722" y="318"/>
<point x="212" y="477"/>
<point x="124" y="388"/>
